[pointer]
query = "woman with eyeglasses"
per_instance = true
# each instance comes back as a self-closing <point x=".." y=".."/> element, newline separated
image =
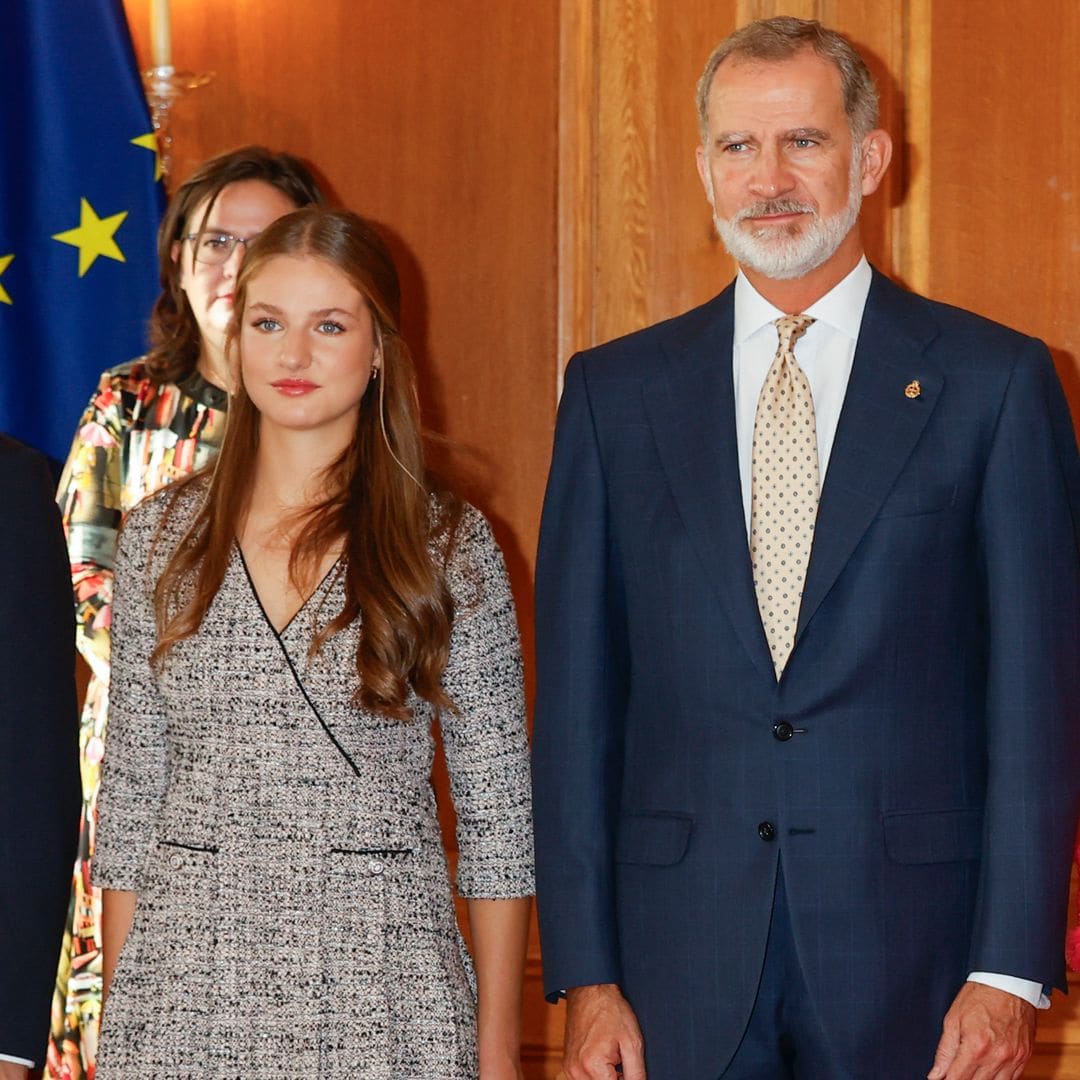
<point x="150" y="422"/>
<point x="289" y="625"/>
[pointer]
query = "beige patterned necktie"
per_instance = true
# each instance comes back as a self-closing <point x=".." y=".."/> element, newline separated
<point x="784" y="491"/>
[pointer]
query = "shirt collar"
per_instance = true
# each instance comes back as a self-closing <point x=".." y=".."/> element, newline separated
<point x="841" y="307"/>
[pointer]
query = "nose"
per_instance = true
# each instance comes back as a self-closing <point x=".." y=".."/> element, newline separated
<point x="295" y="354"/>
<point x="771" y="176"/>
<point x="231" y="266"/>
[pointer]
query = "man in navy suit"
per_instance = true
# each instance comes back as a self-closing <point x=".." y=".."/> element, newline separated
<point x="39" y="747"/>
<point x="846" y="854"/>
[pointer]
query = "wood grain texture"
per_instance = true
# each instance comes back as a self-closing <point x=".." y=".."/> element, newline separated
<point x="690" y="264"/>
<point x="577" y="188"/>
<point x="642" y="243"/>
<point x="1005" y="205"/>
<point x="625" y="154"/>
<point x="749" y="10"/>
<point x="913" y="169"/>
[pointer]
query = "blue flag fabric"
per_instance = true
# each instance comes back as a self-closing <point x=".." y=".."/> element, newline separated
<point x="80" y="202"/>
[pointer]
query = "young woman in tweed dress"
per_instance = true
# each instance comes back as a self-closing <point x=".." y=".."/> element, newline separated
<point x="286" y="628"/>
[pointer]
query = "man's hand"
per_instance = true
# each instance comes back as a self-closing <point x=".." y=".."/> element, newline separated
<point x="988" y="1034"/>
<point x="601" y="1032"/>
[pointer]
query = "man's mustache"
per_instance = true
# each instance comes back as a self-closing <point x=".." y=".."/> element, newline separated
<point x="774" y="206"/>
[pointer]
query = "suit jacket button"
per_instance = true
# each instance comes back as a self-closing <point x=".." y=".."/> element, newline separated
<point x="375" y="867"/>
<point x="767" y="830"/>
<point x="782" y="731"/>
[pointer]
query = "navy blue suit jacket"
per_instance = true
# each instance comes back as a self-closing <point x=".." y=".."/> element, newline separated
<point x="925" y="810"/>
<point x="39" y="748"/>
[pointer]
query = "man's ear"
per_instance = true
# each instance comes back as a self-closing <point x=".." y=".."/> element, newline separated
<point x="703" y="172"/>
<point x="876" y="155"/>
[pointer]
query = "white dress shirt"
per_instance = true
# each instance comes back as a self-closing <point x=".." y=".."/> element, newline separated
<point x="825" y="353"/>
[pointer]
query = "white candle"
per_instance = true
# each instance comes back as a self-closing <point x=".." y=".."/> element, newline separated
<point x="160" y="33"/>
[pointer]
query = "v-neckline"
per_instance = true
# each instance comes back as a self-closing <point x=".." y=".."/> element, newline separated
<point x="278" y="633"/>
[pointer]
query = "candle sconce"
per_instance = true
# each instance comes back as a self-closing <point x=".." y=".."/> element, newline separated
<point x="164" y="85"/>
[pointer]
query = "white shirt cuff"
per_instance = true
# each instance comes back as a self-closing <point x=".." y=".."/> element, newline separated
<point x="17" y="1060"/>
<point x="1031" y="992"/>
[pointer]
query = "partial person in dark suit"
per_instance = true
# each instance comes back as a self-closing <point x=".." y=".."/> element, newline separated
<point x="39" y="763"/>
<point x="808" y="625"/>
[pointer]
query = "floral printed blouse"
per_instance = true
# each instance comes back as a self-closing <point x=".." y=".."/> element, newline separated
<point x="135" y="436"/>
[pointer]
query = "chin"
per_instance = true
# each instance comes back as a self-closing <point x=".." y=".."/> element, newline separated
<point x="775" y="233"/>
<point x="219" y="320"/>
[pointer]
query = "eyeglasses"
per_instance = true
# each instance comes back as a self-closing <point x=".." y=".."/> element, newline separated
<point x="212" y="249"/>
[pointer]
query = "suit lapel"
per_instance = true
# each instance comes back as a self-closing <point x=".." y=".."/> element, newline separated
<point x="691" y="407"/>
<point x="878" y="429"/>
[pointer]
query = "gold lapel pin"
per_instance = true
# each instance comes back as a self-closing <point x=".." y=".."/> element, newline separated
<point x="913" y="389"/>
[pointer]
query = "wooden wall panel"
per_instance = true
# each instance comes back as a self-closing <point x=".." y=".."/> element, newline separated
<point x="636" y="235"/>
<point x="1005" y="203"/>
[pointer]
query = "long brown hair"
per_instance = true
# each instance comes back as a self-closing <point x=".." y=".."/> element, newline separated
<point x="174" y="333"/>
<point x="397" y="534"/>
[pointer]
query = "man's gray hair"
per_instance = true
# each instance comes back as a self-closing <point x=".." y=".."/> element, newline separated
<point x="780" y="39"/>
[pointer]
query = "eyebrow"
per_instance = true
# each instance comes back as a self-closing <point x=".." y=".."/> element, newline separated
<point x="211" y="230"/>
<point x="321" y="313"/>
<point x="794" y="133"/>
<point x="809" y="133"/>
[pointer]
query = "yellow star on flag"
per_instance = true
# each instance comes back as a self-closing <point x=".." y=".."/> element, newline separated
<point x="5" y="262"/>
<point x="94" y="236"/>
<point x="149" y="142"/>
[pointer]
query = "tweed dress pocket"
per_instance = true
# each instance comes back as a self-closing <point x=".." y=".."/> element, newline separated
<point x="170" y="953"/>
<point x="353" y="956"/>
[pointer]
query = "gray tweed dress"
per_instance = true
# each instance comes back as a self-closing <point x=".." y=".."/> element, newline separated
<point x="294" y="914"/>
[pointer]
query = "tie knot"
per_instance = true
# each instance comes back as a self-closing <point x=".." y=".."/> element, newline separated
<point x="790" y="328"/>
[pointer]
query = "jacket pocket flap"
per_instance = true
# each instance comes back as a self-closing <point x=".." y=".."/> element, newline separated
<point x="933" y="836"/>
<point x="658" y="839"/>
<point x="917" y="501"/>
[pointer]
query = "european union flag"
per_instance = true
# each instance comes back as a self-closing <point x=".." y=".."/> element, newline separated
<point x="80" y="203"/>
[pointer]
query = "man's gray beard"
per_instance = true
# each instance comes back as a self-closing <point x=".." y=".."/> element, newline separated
<point x="781" y="256"/>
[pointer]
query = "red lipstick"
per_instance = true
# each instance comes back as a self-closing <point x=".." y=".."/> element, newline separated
<point x="294" y="387"/>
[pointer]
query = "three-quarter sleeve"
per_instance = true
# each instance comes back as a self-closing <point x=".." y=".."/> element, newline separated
<point x="89" y="497"/>
<point x="485" y="741"/>
<point x="133" y="774"/>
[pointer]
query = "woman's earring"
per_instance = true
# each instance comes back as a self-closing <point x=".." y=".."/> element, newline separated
<point x="374" y="372"/>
